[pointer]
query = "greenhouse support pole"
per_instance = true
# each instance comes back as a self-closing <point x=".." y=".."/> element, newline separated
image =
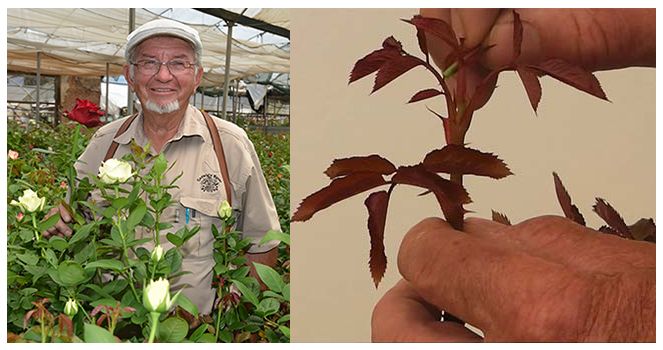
<point x="107" y="79"/>
<point x="202" y="99"/>
<point x="234" y="108"/>
<point x="38" y="85"/>
<point x="130" y="94"/>
<point x="226" y="82"/>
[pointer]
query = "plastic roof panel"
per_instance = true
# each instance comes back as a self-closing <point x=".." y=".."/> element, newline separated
<point x="82" y="41"/>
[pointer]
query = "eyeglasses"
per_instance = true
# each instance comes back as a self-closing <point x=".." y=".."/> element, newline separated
<point x="152" y="67"/>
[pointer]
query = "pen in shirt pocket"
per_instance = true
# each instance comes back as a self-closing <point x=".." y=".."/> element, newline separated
<point x="188" y="214"/>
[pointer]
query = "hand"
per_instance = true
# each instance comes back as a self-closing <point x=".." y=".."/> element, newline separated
<point x="545" y="279"/>
<point x="60" y="228"/>
<point x="596" y="39"/>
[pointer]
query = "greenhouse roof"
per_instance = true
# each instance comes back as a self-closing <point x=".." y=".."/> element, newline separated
<point x="81" y="41"/>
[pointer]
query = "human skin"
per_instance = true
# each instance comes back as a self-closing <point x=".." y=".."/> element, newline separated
<point x="163" y="87"/>
<point x="595" y="39"/>
<point x="545" y="279"/>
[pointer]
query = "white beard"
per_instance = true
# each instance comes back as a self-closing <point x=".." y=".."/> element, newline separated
<point x="162" y="109"/>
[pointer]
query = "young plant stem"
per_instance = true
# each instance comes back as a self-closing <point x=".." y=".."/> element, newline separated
<point x="125" y="257"/>
<point x="43" y="330"/>
<point x="34" y="225"/>
<point x="218" y="323"/>
<point x="154" y="317"/>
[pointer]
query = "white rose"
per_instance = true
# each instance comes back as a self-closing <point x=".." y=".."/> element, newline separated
<point x="156" y="296"/>
<point x="225" y="210"/>
<point x="115" y="171"/>
<point x="157" y="254"/>
<point x="29" y="202"/>
<point x="71" y="308"/>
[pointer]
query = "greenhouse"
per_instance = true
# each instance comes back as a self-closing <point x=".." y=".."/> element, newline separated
<point x="106" y="258"/>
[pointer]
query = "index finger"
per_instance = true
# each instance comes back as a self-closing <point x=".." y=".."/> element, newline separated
<point x="488" y="285"/>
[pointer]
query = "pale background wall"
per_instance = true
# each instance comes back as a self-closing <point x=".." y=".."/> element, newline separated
<point x="598" y="148"/>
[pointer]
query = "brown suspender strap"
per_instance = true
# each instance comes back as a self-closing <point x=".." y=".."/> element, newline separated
<point x="113" y="147"/>
<point x="218" y="149"/>
<point x="216" y="140"/>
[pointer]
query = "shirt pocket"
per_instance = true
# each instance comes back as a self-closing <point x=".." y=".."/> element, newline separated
<point x="204" y="213"/>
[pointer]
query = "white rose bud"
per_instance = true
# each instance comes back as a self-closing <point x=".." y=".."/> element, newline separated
<point x="71" y="308"/>
<point x="225" y="210"/>
<point x="115" y="171"/>
<point x="29" y="202"/>
<point x="156" y="296"/>
<point x="157" y="254"/>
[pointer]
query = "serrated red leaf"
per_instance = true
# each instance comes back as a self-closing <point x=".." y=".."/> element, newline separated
<point x="391" y="48"/>
<point x="483" y="90"/>
<point x="372" y="163"/>
<point x="462" y="160"/>
<point x="644" y="230"/>
<point x="569" y="209"/>
<point x="517" y="35"/>
<point x="377" y="203"/>
<point x="573" y="75"/>
<point x="421" y="39"/>
<point x="612" y="218"/>
<point x="501" y="218"/>
<point x="338" y="190"/>
<point x="424" y="94"/>
<point x="393" y="68"/>
<point x="371" y="63"/>
<point x="438" y="28"/>
<point x="392" y="44"/>
<point x="450" y="195"/>
<point x="531" y="84"/>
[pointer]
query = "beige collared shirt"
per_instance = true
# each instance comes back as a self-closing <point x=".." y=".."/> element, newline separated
<point x="200" y="191"/>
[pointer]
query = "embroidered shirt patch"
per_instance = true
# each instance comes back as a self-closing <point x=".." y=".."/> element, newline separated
<point x="209" y="182"/>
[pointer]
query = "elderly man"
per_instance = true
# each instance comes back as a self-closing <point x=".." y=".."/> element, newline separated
<point x="164" y="69"/>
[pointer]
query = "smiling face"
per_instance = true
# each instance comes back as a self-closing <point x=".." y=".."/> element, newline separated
<point x="163" y="92"/>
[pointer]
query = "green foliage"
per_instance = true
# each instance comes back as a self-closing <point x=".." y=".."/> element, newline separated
<point x="103" y="265"/>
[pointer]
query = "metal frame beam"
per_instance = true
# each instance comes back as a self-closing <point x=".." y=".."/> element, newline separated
<point x="246" y="21"/>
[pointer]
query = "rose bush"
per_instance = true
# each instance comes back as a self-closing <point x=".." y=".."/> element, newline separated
<point x="91" y="286"/>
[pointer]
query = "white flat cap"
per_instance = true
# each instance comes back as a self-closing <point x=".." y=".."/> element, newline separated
<point x="164" y="27"/>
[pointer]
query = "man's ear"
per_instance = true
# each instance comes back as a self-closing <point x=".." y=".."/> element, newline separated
<point x="127" y="76"/>
<point x="199" y="77"/>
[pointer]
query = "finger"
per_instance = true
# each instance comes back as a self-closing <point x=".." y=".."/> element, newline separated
<point x="484" y="228"/>
<point x="563" y="241"/>
<point x="64" y="214"/>
<point x="473" y="24"/>
<point x="501" y="36"/>
<point x="402" y="316"/>
<point x="62" y="228"/>
<point x="484" y="284"/>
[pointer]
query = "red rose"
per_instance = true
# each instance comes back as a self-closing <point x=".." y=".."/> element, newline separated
<point x="86" y="113"/>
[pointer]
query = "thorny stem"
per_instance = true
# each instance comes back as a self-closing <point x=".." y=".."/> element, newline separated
<point x="442" y="82"/>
